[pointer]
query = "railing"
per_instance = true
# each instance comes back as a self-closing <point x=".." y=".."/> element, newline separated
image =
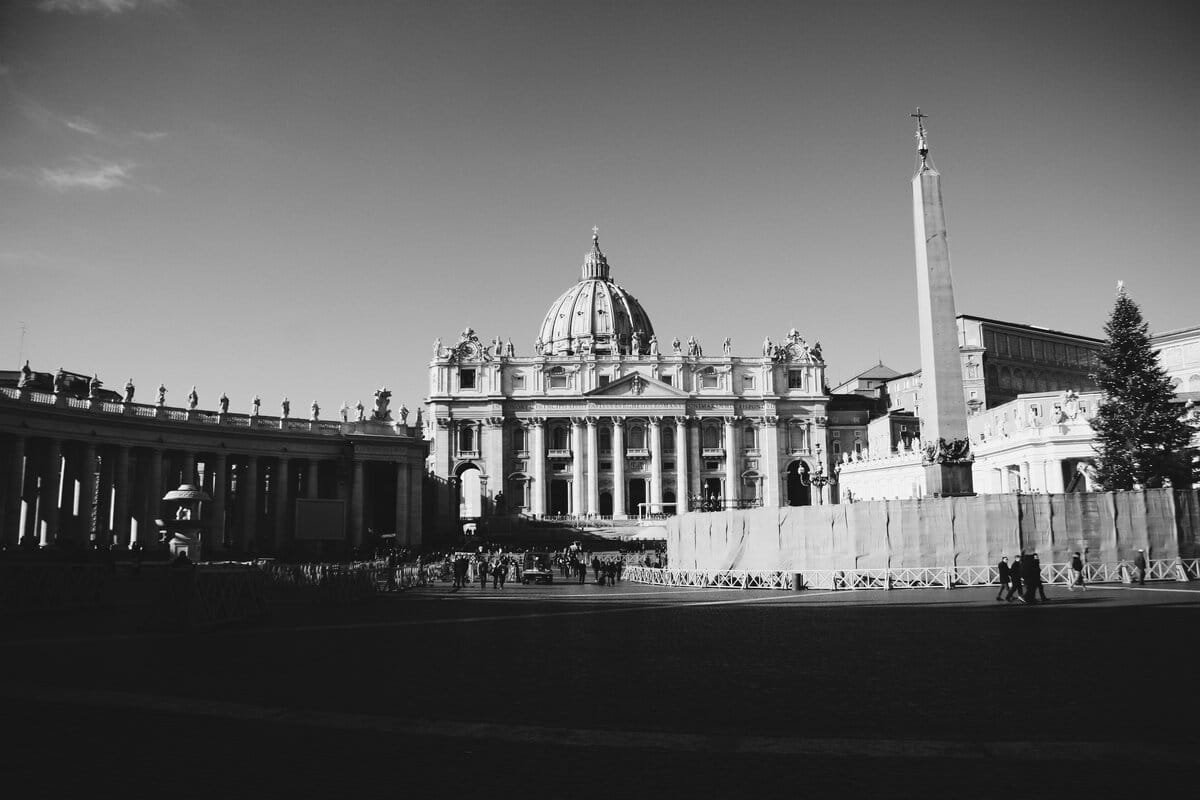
<point x="712" y="452"/>
<point x="1174" y="569"/>
<point x="637" y="452"/>
<point x="184" y="415"/>
<point x="559" y="452"/>
<point x="718" y="504"/>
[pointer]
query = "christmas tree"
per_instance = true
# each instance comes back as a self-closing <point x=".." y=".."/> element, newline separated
<point x="1140" y="435"/>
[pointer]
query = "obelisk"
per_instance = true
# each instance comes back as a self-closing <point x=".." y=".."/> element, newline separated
<point x="946" y="444"/>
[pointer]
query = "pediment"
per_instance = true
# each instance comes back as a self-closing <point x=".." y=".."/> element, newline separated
<point x="637" y="385"/>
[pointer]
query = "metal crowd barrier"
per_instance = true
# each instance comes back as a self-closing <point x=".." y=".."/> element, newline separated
<point x="884" y="578"/>
<point x="206" y="596"/>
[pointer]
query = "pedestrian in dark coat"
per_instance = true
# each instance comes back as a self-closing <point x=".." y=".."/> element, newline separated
<point x="1077" y="573"/>
<point x="1139" y="564"/>
<point x="483" y="573"/>
<point x="1029" y="576"/>
<point x="1039" y="584"/>
<point x="1014" y="580"/>
<point x="1004" y="576"/>
<point x="499" y="572"/>
<point x="596" y="567"/>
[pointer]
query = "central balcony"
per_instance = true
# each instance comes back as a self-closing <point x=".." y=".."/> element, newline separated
<point x="713" y="452"/>
<point x="563" y="452"/>
<point x="637" y="452"/>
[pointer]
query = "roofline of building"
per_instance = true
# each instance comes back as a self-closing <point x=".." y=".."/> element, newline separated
<point x="1029" y="327"/>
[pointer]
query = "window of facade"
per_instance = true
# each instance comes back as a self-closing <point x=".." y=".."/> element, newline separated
<point x="637" y="437"/>
<point x="710" y="436"/>
<point x="750" y="438"/>
<point x="796" y="436"/>
<point x="796" y="379"/>
<point x="606" y="440"/>
<point x="466" y="439"/>
<point x="466" y="379"/>
<point x="518" y="381"/>
<point x="748" y="381"/>
<point x="709" y="379"/>
<point x="665" y="379"/>
<point x="558" y="378"/>
<point x="836" y="447"/>
<point x="559" y="438"/>
<point x="668" y="439"/>
<point x="520" y="440"/>
<point x="605" y="380"/>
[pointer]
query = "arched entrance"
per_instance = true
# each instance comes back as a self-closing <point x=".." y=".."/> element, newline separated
<point x="470" y="497"/>
<point x="669" y="505"/>
<point x="799" y="493"/>
<point x="606" y="504"/>
<point x="559" y="498"/>
<point x="636" y="496"/>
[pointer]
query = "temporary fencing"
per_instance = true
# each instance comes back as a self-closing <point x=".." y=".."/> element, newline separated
<point x="883" y="578"/>
<point x="207" y="596"/>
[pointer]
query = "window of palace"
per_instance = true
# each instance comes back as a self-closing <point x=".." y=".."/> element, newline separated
<point x="559" y="438"/>
<point x="520" y="440"/>
<point x="710" y="437"/>
<point x="711" y="465"/>
<point x="518" y="381"/>
<point x="558" y="378"/>
<point x="857" y="445"/>
<point x="466" y="439"/>
<point x="637" y="437"/>
<point x="750" y="438"/>
<point x="466" y="379"/>
<point x="837" y="447"/>
<point x="796" y="435"/>
<point x="668" y="439"/>
<point x="748" y="381"/>
<point x="709" y="379"/>
<point x="795" y="379"/>
<point x="606" y="440"/>
<point x="665" y="379"/>
<point x="605" y="380"/>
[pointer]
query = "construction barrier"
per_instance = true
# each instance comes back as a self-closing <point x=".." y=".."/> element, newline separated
<point x="1176" y="569"/>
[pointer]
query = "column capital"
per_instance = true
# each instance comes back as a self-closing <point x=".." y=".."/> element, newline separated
<point x="577" y="422"/>
<point x="618" y="422"/>
<point x="535" y="422"/>
<point x="682" y="420"/>
<point x="654" y="421"/>
<point x="734" y="420"/>
<point x="769" y="421"/>
<point x="592" y="421"/>
<point x="494" y="422"/>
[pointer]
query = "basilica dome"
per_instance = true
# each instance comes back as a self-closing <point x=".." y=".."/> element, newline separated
<point x="595" y="314"/>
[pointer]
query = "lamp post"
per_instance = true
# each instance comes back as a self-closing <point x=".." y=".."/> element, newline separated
<point x="820" y="478"/>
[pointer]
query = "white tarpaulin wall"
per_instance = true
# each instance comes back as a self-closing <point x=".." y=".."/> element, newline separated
<point x="939" y="532"/>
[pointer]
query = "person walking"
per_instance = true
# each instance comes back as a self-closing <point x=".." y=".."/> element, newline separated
<point x="1005" y="572"/>
<point x="1077" y="573"/>
<point x="1139" y="564"/>
<point x="1038" y="583"/>
<point x="596" y="568"/>
<point x="1014" y="580"/>
<point x="1028" y="578"/>
<point x="499" y="572"/>
<point x="483" y="573"/>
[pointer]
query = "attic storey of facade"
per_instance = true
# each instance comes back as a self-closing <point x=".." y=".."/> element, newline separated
<point x="604" y="418"/>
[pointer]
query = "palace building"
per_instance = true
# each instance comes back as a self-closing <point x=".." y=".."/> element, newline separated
<point x="607" y="419"/>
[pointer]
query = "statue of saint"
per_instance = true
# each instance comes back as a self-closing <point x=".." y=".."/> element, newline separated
<point x="285" y="408"/>
<point x="316" y="411"/>
<point x="677" y="346"/>
<point x="509" y="350"/>
<point x="382" y="397"/>
<point x="437" y="347"/>
<point x="60" y="381"/>
<point x="94" y="387"/>
<point x="26" y="376"/>
<point x="768" y="347"/>
<point x="693" y="347"/>
<point x="162" y="394"/>
<point x="403" y="414"/>
<point x="345" y="411"/>
<point x="653" y="345"/>
<point x="129" y="389"/>
<point x="793" y="335"/>
<point x="193" y="399"/>
<point x="223" y="403"/>
<point x="360" y="411"/>
<point x="539" y="346"/>
<point x="635" y="344"/>
<point x="727" y="346"/>
<point x="255" y="402"/>
<point x="816" y="352"/>
<point x="420" y="422"/>
<point x="497" y="347"/>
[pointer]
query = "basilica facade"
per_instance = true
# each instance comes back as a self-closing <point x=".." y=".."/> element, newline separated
<point x="608" y="419"/>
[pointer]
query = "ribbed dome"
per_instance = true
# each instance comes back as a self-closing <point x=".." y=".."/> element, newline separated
<point x="596" y="313"/>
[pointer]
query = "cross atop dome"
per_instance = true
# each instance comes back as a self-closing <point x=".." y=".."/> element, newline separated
<point x="595" y="265"/>
<point x="595" y="233"/>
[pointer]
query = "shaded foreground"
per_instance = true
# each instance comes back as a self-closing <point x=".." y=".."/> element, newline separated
<point x="585" y="690"/>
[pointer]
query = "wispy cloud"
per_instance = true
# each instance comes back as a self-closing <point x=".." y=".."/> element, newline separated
<point x="88" y="174"/>
<point x="82" y="125"/>
<point x="102" y="6"/>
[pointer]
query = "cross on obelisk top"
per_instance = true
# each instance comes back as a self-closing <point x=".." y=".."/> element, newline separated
<point x="922" y="144"/>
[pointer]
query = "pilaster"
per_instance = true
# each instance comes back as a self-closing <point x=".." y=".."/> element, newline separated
<point x="618" y="444"/>
<point x="656" y="472"/>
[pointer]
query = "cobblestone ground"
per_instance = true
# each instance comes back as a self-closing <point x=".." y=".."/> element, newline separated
<point x="581" y="690"/>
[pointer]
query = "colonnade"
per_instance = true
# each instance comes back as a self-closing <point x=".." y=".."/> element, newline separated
<point x="83" y="493"/>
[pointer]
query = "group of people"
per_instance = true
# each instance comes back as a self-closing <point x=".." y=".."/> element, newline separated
<point x="1023" y="578"/>
<point x="481" y="567"/>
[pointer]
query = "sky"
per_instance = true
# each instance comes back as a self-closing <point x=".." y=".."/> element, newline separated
<point x="296" y="198"/>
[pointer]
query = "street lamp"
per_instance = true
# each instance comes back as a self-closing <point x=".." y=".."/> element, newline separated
<point x="820" y="478"/>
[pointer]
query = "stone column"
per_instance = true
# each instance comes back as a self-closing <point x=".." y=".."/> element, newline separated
<point x="593" y="468"/>
<point x="1025" y="484"/>
<point x="248" y="489"/>
<point x="220" y="479"/>
<point x="732" y="479"/>
<point x="769" y="461"/>
<point x="106" y="523"/>
<point x="313" y="475"/>
<point x="280" y="485"/>
<point x="51" y="492"/>
<point x="1054" y="477"/>
<point x="694" y="453"/>
<point x="416" y="505"/>
<point x="681" y="465"/>
<point x="655" y="465"/>
<point x="87" y="494"/>
<point x="494" y="455"/>
<point x="14" y="493"/>
<point x="402" y="499"/>
<point x="618" y="444"/>
<point x="537" y="452"/>
<point x="1004" y="487"/>
<point x="576" y="466"/>
<point x="357" y="499"/>
<point x="187" y="472"/>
